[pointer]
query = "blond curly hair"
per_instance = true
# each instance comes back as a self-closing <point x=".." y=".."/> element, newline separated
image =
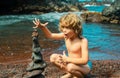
<point x="71" y="21"/>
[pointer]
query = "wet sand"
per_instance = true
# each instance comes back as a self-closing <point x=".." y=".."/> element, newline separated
<point x="17" y="48"/>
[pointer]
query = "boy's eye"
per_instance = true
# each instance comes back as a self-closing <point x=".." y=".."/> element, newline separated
<point x="65" y="27"/>
<point x="68" y="27"/>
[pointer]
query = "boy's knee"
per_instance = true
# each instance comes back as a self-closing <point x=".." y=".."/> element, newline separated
<point x="70" y="67"/>
<point x="53" y="57"/>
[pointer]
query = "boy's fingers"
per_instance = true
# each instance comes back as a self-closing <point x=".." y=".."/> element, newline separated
<point x="38" y="20"/>
<point x="46" y="23"/>
<point x="34" y="22"/>
<point x="35" y="19"/>
<point x="35" y="27"/>
<point x="60" y="56"/>
<point x="64" y="54"/>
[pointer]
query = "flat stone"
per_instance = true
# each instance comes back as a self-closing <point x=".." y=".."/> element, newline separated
<point x="34" y="74"/>
<point x="34" y="66"/>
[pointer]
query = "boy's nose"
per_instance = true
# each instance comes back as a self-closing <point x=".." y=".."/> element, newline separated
<point x="64" y="29"/>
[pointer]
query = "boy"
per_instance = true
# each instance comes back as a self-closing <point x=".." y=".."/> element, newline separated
<point x="75" y="64"/>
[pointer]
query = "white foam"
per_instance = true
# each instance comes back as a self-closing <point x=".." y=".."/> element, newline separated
<point x="50" y="17"/>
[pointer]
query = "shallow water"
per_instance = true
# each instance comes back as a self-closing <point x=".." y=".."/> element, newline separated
<point x="95" y="8"/>
<point x="15" y="36"/>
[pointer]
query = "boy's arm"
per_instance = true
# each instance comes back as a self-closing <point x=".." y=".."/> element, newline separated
<point x="49" y="34"/>
<point x="46" y="31"/>
<point x="84" y="59"/>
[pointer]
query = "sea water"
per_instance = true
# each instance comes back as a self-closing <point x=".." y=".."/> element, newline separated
<point x="103" y="39"/>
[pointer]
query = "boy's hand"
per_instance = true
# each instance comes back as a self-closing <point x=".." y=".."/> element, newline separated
<point x="39" y="24"/>
<point x="61" y="62"/>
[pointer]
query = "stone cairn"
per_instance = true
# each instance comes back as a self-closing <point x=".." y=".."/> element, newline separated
<point x="37" y="66"/>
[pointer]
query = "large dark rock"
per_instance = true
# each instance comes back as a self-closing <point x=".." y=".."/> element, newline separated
<point x="7" y="5"/>
<point x="38" y="6"/>
<point x="92" y="17"/>
<point x="113" y="11"/>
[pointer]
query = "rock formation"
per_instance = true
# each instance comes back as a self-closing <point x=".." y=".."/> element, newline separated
<point x="37" y="66"/>
<point x="112" y="13"/>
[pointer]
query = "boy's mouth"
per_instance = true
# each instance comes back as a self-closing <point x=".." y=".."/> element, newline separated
<point x="65" y="35"/>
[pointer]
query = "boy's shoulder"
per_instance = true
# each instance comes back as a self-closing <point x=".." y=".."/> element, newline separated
<point x="84" y="40"/>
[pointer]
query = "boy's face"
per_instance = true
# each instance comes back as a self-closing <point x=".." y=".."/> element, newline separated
<point x="68" y="33"/>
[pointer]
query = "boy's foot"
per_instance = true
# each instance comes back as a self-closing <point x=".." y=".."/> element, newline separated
<point x="68" y="75"/>
<point x="75" y="77"/>
<point x="78" y="77"/>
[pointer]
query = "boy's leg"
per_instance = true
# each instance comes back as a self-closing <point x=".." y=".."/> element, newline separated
<point x="55" y="59"/>
<point x="68" y="75"/>
<point x="78" y="70"/>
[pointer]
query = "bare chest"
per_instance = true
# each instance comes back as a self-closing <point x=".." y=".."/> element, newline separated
<point x="73" y="47"/>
